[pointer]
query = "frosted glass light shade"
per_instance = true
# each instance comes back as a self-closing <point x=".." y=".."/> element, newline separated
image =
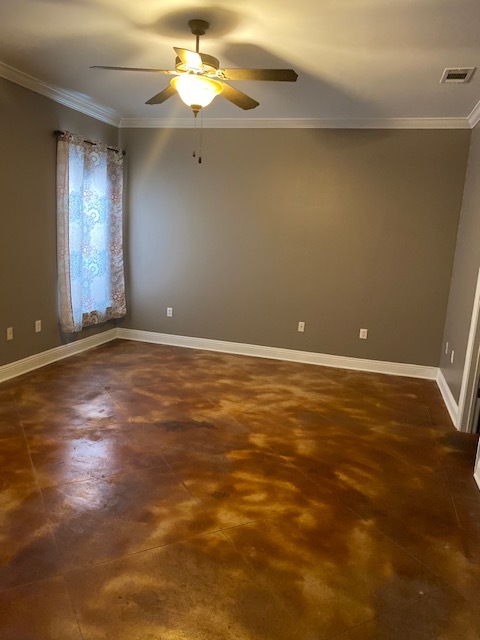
<point x="196" y="91"/>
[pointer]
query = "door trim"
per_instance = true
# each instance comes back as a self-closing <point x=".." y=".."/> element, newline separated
<point x="471" y="371"/>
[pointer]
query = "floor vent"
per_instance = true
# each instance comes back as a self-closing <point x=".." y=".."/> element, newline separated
<point x="460" y="75"/>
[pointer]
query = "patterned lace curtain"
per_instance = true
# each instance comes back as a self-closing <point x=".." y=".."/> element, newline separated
<point x="89" y="233"/>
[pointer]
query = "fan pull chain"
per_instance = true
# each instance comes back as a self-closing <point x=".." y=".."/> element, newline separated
<point x="201" y="139"/>
<point x="198" y="137"/>
<point x="194" y="135"/>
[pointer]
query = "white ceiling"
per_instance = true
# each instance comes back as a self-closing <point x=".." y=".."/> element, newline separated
<point x="358" y="61"/>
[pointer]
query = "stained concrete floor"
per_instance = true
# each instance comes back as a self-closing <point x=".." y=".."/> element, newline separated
<point x="157" y="493"/>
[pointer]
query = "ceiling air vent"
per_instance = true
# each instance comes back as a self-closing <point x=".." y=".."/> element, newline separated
<point x="457" y="75"/>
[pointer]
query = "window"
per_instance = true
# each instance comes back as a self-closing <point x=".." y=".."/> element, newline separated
<point x="89" y="233"/>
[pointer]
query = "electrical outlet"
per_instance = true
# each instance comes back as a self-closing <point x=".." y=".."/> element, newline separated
<point x="363" y="334"/>
<point x="452" y="356"/>
<point x="169" y="312"/>
<point x="9" y="333"/>
<point x="38" y="326"/>
<point x="301" y="327"/>
<point x="446" y="348"/>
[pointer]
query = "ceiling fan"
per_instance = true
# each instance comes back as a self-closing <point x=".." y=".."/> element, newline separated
<point x="198" y="77"/>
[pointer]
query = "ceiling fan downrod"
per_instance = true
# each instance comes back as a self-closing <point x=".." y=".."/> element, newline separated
<point x="198" y="28"/>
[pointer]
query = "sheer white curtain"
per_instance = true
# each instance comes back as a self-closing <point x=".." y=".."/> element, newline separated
<point x="89" y="233"/>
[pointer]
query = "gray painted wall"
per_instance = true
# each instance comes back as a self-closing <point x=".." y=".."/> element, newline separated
<point x="342" y="229"/>
<point x="27" y="212"/>
<point x="465" y="273"/>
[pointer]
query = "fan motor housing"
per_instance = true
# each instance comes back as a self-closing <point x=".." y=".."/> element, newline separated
<point x="210" y="64"/>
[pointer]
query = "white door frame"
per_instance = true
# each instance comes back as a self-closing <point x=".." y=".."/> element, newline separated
<point x="476" y="473"/>
<point x="471" y="378"/>
<point x="471" y="371"/>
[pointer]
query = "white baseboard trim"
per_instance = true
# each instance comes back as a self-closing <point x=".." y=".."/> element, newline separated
<point x="38" y="360"/>
<point x="450" y="402"/>
<point x="274" y="353"/>
<point x="19" y="367"/>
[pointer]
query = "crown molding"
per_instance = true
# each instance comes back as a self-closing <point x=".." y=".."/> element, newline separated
<point x="110" y="116"/>
<point x="84" y="105"/>
<point x="474" y="117"/>
<point x="297" y="123"/>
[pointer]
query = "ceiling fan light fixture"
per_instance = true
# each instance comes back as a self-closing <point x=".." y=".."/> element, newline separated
<point x="196" y="91"/>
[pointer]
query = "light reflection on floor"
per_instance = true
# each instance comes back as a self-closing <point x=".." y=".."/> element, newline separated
<point x="156" y="492"/>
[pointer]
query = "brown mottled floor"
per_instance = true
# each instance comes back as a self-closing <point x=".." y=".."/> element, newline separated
<point x="156" y="493"/>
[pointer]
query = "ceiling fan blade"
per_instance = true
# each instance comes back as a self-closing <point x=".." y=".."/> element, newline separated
<point x="167" y="71"/>
<point x="238" y="98"/>
<point x="277" y="75"/>
<point x="162" y="96"/>
<point x="191" y="59"/>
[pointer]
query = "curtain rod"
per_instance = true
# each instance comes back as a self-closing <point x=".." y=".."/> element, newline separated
<point x="58" y="133"/>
